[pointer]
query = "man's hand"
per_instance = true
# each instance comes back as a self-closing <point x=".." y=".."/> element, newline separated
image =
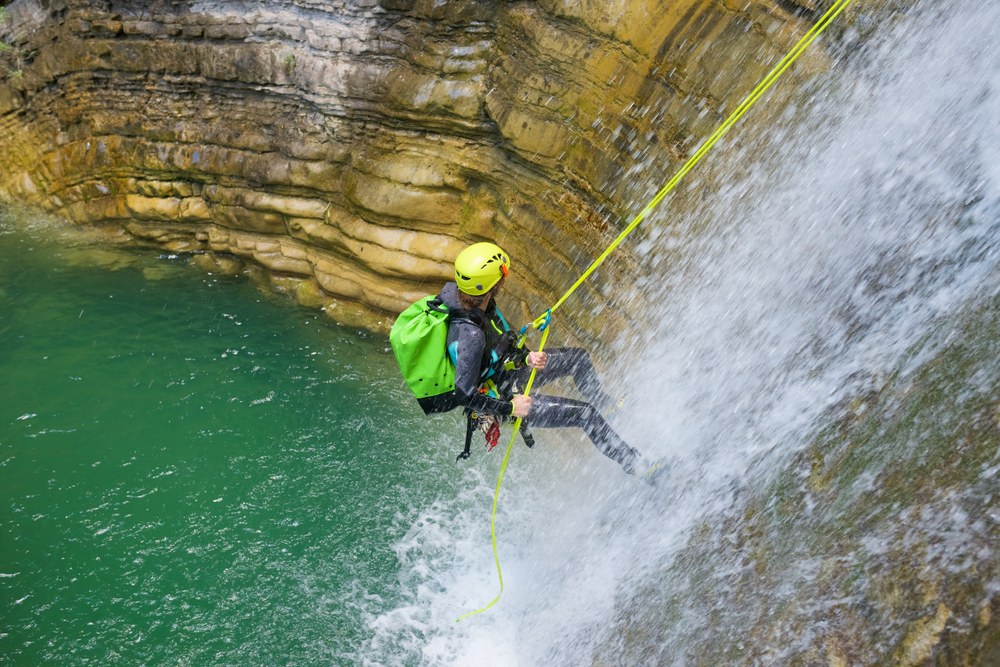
<point x="537" y="360"/>
<point x="522" y="405"/>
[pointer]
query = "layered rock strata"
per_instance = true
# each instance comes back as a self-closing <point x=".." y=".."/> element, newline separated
<point x="359" y="145"/>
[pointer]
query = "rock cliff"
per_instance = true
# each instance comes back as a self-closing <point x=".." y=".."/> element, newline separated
<point x="357" y="145"/>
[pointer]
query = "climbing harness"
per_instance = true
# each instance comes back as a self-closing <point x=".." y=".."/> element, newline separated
<point x="542" y="323"/>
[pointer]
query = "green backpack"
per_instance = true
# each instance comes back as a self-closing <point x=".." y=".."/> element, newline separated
<point x="420" y="342"/>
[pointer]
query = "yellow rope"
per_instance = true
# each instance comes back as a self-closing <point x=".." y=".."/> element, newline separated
<point x="777" y="71"/>
<point x="496" y="495"/>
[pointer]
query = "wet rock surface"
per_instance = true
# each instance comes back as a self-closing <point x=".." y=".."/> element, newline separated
<point x="874" y="545"/>
<point x="360" y="145"/>
<point x="351" y="149"/>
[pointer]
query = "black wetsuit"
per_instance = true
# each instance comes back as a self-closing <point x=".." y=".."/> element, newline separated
<point x="479" y="357"/>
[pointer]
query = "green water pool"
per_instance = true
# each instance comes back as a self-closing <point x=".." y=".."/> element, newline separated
<point x="195" y="471"/>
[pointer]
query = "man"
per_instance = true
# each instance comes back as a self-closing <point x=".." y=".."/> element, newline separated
<point x="490" y="370"/>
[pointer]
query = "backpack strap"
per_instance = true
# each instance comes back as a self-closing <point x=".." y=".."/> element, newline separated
<point x="469" y="429"/>
<point x="470" y="316"/>
<point x="437" y="305"/>
<point x="474" y="317"/>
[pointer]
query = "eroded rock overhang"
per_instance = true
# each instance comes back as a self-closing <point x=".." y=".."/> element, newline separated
<point x="356" y="146"/>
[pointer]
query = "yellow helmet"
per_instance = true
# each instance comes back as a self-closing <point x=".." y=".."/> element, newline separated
<point x="479" y="267"/>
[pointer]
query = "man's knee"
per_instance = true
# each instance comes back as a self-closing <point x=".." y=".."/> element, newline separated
<point x="590" y="416"/>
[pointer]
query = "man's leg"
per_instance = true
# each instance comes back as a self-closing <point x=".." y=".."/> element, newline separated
<point x="575" y="361"/>
<point x="558" y="412"/>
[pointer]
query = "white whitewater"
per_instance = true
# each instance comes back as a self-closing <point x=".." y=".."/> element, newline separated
<point x="868" y="218"/>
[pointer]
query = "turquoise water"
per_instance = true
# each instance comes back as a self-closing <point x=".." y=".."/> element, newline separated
<point x="195" y="472"/>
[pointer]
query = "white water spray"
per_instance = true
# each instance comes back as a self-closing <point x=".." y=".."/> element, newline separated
<point x="868" y="220"/>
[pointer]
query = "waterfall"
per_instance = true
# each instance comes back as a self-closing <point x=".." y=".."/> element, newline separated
<point x="195" y="473"/>
<point x="824" y="380"/>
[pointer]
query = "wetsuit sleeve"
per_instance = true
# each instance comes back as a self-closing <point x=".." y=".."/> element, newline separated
<point x="467" y="353"/>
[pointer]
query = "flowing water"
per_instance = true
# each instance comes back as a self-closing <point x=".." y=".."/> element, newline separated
<point x="195" y="472"/>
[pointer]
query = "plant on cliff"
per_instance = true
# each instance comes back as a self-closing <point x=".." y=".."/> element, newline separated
<point x="12" y="58"/>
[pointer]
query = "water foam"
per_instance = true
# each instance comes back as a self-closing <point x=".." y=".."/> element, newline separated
<point x="864" y="222"/>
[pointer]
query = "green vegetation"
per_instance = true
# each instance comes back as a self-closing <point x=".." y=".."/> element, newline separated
<point x="12" y="58"/>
